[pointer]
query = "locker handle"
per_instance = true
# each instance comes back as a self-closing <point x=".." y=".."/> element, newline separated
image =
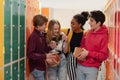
<point x="20" y="25"/>
<point x="13" y="25"/>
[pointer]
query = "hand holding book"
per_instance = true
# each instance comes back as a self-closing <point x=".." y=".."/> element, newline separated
<point x="80" y="53"/>
<point x="77" y="52"/>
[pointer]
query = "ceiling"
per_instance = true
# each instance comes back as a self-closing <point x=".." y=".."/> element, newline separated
<point x="75" y="4"/>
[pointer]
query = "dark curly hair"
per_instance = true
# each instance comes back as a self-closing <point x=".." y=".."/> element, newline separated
<point x="82" y="18"/>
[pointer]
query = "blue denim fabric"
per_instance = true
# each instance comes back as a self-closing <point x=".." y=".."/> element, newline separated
<point x="38" y="75"/>
<point x="59" y="72"/>
<point x="86" y="73"/>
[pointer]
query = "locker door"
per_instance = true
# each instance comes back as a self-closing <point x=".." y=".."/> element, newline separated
<point x="7" y="29"/>
<point x="22" y="28"/>
<point x="22" y="39"/>
<point x="119" y="36"/>
<point x="22" y="69"/>
<point x="1" y="33"/>
<point x="15" y="71"/>
<point x="1" y="39"/>
<point x="7" y="73"/>
<point x="1" y="73"/>
<point x="15" y="29"/>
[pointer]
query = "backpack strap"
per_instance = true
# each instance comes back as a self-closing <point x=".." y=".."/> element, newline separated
<point x="68" y="31"/>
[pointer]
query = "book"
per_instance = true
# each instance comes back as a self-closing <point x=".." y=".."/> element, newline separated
<point x="77" y="51"/>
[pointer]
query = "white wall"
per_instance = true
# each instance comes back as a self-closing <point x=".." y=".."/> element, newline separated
<point x="75" y="4"/>
<point x="64" y="16"/>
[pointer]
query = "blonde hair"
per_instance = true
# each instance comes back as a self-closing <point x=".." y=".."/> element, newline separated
<point x="49" y="35"/>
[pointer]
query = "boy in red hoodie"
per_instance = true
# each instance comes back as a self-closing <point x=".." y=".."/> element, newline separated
<point x="95" y="48"/>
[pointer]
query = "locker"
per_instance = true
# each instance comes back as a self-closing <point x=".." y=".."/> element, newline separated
<point x="1" y="60"/>
<point x="22" y="28"/>
<point x="7" y="29"/>
<point x="1" y="37"/>
<point x="7" y="75"/>
<point x="15" y="29"/>
<point x="1" y="74"/>
<point x="1" y="32"/>
<point x="22" y="69"/>
<point x="15" y="71"/>
<point x="6" y="58"/>
<point x="119" y="30"/>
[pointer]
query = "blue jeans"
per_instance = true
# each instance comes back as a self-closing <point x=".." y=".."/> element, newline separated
<point x="59" y="72"/>
<point x="38" y="75"/>
<point x="86" y="73"/>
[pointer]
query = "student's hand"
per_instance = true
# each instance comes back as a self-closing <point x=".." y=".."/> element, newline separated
<point x="83" y="55"/>
<point x="50" y="59"/>
<point x="64" y="38"/>
<point x="50" y="55"/>
<point x="53" y="44"/>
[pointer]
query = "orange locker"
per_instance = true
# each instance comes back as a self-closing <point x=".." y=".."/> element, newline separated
<point x="31" y="10"/>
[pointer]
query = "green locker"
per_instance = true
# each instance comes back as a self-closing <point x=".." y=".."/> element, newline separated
<point x="22" y="28"/>
<point x="15" y="71"/>
<point x="15" y="29"/>
<point x="7" y="73"/>
<point x="7" y="29"/>
<point x="22" y="69"/>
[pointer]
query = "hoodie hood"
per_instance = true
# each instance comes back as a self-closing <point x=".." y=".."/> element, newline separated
<point x="103" y="30"/>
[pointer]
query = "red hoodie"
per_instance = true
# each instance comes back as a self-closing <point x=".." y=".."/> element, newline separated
<point x="96" y="43"/>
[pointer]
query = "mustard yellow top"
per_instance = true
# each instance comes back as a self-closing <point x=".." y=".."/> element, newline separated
<point x="69" y="38"/>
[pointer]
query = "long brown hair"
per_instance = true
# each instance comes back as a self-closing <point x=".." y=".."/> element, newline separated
<point x="49" y="35"/>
